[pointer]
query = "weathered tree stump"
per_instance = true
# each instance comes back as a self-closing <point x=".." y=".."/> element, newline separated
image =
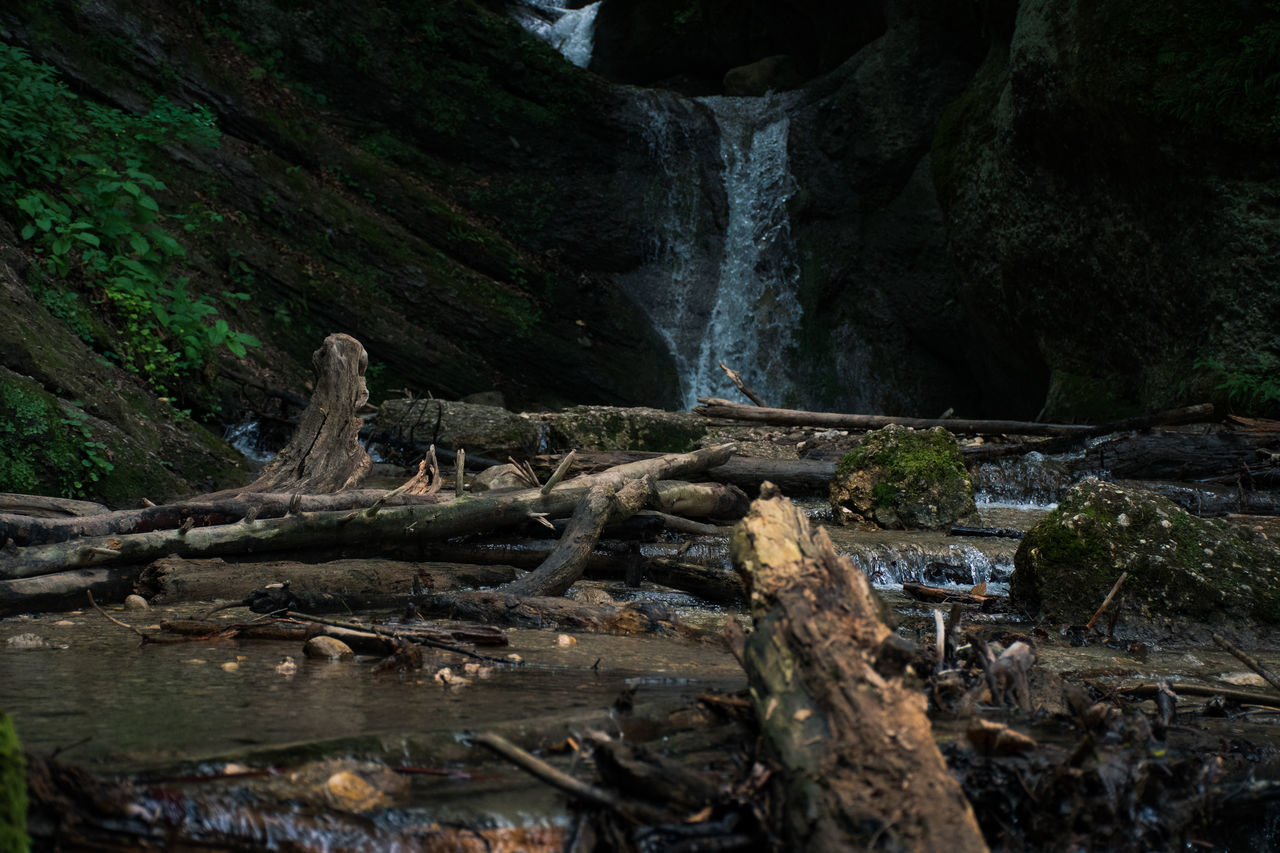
<point x="325" y="454"/>
<point x="860" y="766"/>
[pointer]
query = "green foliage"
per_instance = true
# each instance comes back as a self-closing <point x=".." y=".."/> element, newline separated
<point x="1250" y="390"/>
<point x="44" y="448"/>
<point x="13" y="790"/>
<point x="75" y="177"/>
<point x="1213" y="67"/>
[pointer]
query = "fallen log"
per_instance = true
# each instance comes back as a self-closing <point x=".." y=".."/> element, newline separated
<point x="792" y="476"/>
<point x="352" y="584"/>
<point x="338" y="528"/>
<point x="604" y="504"/>
<point x="41" y="506"/>
<point x="198" y="512"/>
<point x="63" y="590"/>
<point x="713" y="407"/>
<point x="860" y="766"/>
<point x="530" y="611"/>
<point x="709" y="582"/>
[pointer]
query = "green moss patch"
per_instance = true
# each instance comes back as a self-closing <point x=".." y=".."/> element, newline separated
<point x="904" y="478"/>
<point x="13" y="790"/>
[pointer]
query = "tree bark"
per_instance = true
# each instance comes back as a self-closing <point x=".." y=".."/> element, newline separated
<point x="860" y="766"/>
<point x="62" y="590"/>
<point x="338" y="528"/>
<point x="325" y="454"/>
<point x="716" y="408"/>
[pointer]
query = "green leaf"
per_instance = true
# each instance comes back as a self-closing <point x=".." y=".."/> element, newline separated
<point x="132" y="189"/>
<point x="139" y="243"/>
<point x="28" y="231"/>
<point x="91" y="239"/>
<point x="148" y="202"/>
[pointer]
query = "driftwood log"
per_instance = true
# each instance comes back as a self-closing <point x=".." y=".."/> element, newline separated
<point x="533" y="611"/>
<point x="603" y="504"/>
<point x="339" y="528"/>
<point x="860" y="766"/>
<point x="716" y="408"/>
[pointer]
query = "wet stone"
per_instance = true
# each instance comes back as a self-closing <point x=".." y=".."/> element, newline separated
<point x="327" y="648"/>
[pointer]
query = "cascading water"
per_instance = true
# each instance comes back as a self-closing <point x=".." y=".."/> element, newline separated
<point x="570" y="31"/>
<point x="720" y="291"/>
<point x="756" y="310"/>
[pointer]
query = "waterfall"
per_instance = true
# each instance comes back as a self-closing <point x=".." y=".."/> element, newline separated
<point x="756" y="310"/>
<point x="570" y="31"/>
<point x="721" y="278"/>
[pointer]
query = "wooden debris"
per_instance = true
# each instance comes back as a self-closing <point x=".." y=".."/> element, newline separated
<point x="860" y="765"/>
<point x="736" y="378"/>
<point x="947" y="595"/>
<point x="716" y="408"/>
<point x="325" y="454"/>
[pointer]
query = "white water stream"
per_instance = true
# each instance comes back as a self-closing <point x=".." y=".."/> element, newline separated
<point x="570" y="31"/>
<point x="720" y="289"/>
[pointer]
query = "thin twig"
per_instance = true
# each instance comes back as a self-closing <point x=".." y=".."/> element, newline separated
<point x="1248" y="660"/>
<point x="378" y="630"/>
<point x="112" y="619"/>
<point x="543" y="771"/>
<point x="460" y="470"/>
<point x="680" y="524"/>
<point x="561" y="470"/>
<point x="1107" y="601"/>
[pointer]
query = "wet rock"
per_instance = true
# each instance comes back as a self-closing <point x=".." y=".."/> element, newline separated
<point x="903" y="479"/>
<point x="614" y="428"/>
<point x="498" y="477"/>
<point x="136" y="602"/>
<point x="327" y="648"/>
<point x="486" y="430"/>
<point x="26" y="641"/>
<point x="1179" y="565"/>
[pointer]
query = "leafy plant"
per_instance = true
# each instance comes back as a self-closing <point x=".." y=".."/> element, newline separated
<point x="74" y="174"/>
<point x="1253" y="390"/>
<point x="42" y="444"/>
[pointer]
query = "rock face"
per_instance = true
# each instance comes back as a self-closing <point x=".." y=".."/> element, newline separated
<point x="1109" y="180"/>
<point x="1178" y="565"/>
<point x="903" y="479"/>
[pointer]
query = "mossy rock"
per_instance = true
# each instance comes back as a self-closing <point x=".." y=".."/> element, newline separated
<point x="13" y="790"/>
<point x="901" y="478"/>
<point x="485" y="430"/>
<point x="1179" y="565"/>
<point x="616" y="428"/>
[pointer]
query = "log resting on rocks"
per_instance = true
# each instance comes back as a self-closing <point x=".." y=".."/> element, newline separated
<point x="339" y="528"/>
<point x="860" y="766"/>
<point x="533" y="611"/>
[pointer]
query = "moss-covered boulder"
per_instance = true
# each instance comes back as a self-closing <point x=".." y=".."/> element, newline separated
<point x="903" y="478"/>
<point x="488" y="430"/>
<point x="1179" y="565"/>
<point x="13" y="790"/>
<point x="615" y="428"/>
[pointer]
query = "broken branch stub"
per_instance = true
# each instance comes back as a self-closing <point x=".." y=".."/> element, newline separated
<point x="861" y="768"/>
<point x="325" y="454"/>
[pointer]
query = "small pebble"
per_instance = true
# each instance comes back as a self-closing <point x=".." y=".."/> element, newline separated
<point x="287" y="666"/>
<point x="136" y="602"/>
<point x="230" y="666"/>
<point x="63" y="623"/>
<point x="566" y="640"/>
